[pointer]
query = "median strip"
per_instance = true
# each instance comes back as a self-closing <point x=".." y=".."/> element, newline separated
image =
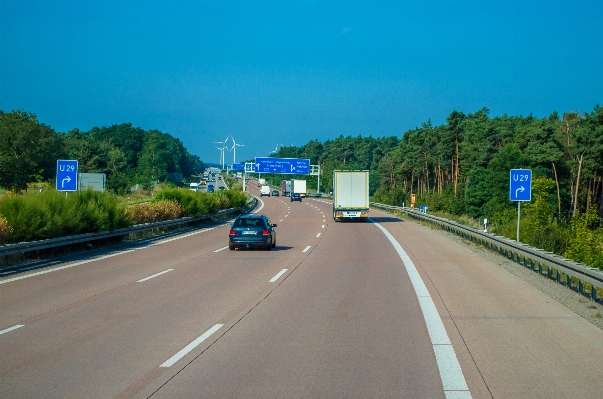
<point x="191" y="346"/>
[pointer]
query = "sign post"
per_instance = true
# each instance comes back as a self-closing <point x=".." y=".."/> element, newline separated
<point x="66" y="175"/>
<point x="520" y="189"/>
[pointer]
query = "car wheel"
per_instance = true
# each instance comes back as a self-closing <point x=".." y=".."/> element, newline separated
<point x="231" y="247"/>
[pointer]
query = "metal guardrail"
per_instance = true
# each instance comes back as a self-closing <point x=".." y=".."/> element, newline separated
<point x="24" y="247"/>
<point x="540" y="261"/>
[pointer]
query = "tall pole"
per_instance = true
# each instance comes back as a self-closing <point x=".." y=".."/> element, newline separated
<point x="518" y="218"/>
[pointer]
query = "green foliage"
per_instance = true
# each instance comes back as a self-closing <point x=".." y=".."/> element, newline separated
<point x="154" y="212"/>
<point x="5" y="231"/>
<point x="51" y="214"/>
<point x="586" y="242"/>
<point x="28" y="150"/>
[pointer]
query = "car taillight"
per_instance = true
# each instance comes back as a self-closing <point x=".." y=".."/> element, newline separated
<point x="265" y="233"/>
<point x="232" y="232"/>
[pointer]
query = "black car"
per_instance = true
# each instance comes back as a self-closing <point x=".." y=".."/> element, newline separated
<point x="296" y="197"/>
<point x="275" y="193"/>
<point x="252" y="231"/>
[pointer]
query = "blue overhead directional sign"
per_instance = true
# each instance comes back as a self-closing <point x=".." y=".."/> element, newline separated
<point x="238" y="166"/>
<point x="520" y="187"/>
<point x="291" y="166"/>
<point x="66" y="175"/>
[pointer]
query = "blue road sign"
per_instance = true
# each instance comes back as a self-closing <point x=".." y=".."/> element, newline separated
<point x="238" y="166"/>
<point x="66" y="175"/>
<point x="520" y="187"/>
<point x="290" y="166"/>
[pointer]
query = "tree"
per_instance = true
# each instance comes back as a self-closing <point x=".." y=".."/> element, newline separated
<point x="28" y="150"/>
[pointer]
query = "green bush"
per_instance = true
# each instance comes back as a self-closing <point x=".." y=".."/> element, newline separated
<point x="154" y="211"/>
<point x="5" y="230"/>
<point x="52" y="214"/>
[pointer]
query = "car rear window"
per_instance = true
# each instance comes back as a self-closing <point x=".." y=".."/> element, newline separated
<point x="249" y="223"/>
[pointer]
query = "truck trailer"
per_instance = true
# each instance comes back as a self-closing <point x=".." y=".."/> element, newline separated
<point x="350" y="195"/>
<point x="286" y="188"/>
<point x="298" y="187"/>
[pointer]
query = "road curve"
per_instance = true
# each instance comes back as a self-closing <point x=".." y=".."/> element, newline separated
<point x="330" y="312"/>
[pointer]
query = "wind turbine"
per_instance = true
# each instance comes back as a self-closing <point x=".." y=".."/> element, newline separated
<point x="225" y="147"/>
<point x="234" y="147"/>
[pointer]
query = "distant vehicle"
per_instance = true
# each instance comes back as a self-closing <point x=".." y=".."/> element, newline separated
<point x="219" y="177"/>
<point x="261" y="182"/>
<point x="296" y="197"/>
<point x="265" y="190"/>
<point x="350" y="195"/>
<point x="194" y="186"/>
<point x="275" y="193"/>
<point x="221" y="188"/>
<point x="252" y="231"/>
<point x="203" y="182"/>
<point x="210" y="188"/>
<point x="286" y="187"/>
<point x="299" y="187"/>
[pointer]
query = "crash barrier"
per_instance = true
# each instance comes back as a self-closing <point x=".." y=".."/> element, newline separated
<point x="24" y="247"/>
<point x="576" y="276"/>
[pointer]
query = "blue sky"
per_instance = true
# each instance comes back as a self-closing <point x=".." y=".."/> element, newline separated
<point x="272" y="73"/>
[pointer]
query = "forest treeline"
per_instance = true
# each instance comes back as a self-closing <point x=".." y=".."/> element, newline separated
<point x="462" y="168"/>
<point x="128" y="155"/>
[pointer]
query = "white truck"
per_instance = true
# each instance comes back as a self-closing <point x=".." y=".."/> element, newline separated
<point x="298" y="187"/>
<point x="350" y="195"/>
<point x="194" y="186"/>
<point x="261" y="182"/>
<point x="265" y="190"/>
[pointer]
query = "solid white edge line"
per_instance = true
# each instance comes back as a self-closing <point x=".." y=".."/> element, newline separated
<point x="307" y="248"/>
<point x="317" y="235"/>
<point x="453" y="380"/>
<point x="154" y="275"/>
<point x="191" y="346"/>
<point x="278" y="275"/>
<point x="221" y="249"/>
<point x="11" y="328"/>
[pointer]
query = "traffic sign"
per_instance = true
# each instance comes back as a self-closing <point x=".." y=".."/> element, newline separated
<point x="520" y="187"/>
<point x="66" y="175"/>
<point x="291" y="166"/>
<point x="238" y="166"/>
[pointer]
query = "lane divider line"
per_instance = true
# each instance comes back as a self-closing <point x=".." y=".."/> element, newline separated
<point x="221" y="249"/>
<point x="307" y="248"/>
<point x="11" y="328"/>
<point x="317" y="235"/>
<point x="154" y="275"/>
<point x="323" y="226"/>
<point x="451" y="373"/>
<point x="278" y="275"/>
<point x="184" y="351"/>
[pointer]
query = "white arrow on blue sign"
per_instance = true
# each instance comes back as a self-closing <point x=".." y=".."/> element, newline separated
<point x="292" y="166"/>
<point x="520" y="187"/>
<point x="66" y="175"/>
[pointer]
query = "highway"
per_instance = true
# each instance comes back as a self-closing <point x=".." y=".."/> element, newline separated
<point x="383" y="309"/>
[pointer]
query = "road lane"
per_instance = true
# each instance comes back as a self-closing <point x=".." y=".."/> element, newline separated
<point x="512" y="341"/>
<point x="345" y="323"/>
<point x="124" y="333"/>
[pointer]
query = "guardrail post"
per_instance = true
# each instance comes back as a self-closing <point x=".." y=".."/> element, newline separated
<point x="593" y="292"/>
<point x="580" y="287"/>
<point x="539" y="268"/>
<point x="568" y="281"/>
<point x="558" y="277"/>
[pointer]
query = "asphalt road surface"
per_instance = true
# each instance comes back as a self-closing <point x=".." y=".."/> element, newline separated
<point x="383" y="309"/>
